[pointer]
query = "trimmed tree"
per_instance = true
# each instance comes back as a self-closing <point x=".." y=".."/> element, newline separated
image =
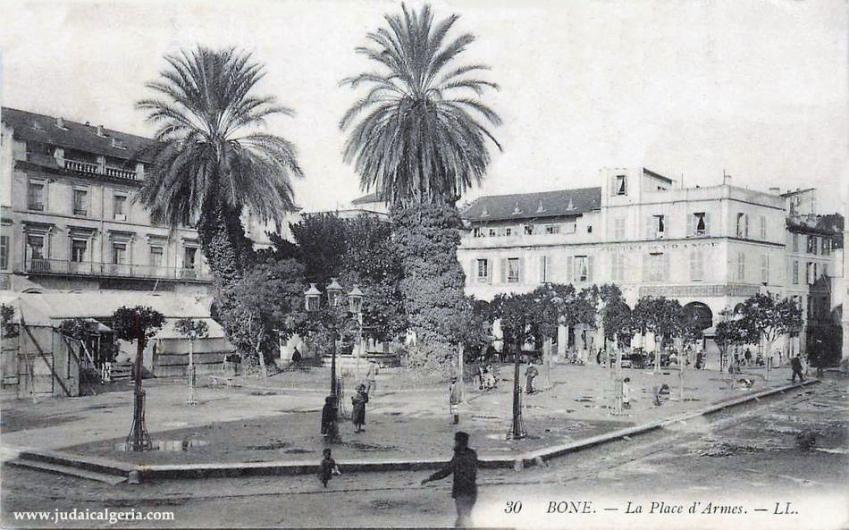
<point x="192" y="330"/>
<point x="771" y="318"/>
<point x="139" y="323"/>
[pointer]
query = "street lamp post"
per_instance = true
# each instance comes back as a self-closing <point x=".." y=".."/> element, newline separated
<point x="334" y="295"/>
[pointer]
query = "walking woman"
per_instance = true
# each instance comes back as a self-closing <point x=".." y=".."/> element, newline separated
<point x="359" y="413"/>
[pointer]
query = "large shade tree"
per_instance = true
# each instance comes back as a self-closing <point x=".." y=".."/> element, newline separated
<point x="418" y="136"/>
<point x="212" y="159"/>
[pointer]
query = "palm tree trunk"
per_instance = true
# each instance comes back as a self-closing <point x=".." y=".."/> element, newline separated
<point x="227" y="249"/>
<point x="433" y="284"/>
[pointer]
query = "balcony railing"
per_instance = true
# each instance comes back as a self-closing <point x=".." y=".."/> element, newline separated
<point x="122" y="270"/>
<point x="90" y="168"/>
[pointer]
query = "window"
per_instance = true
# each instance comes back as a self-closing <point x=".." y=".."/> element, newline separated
<point x="810" y="273"/>
<point x="157" y="255"/>
<point x="617" y="267"/>
<point x="78" y="249"/>
<point x="619" y="229"/>
<point x="513" y="270"/>
<point x="35" y="243"/>
<point x="35" y="196"/>
<point x="795" y="242"/>
<point x="553" y="229"/>
<point x="742" y="225"/>
<point x="794" y="275"/>
<point x="81" y="202"/>
<point x="656" y="267"/>
<point x="589" y="229"/>
<point x="697" y="265"/>
<point x="529" y="230"/>
<point x="189" y="257"/>
<point x="483" y="270"/>
<point x="763" y="228"/>
<point x="698" y="224"/>
<point x="119" y="253"/>
<point x="571" y="227"/>
<point x="119" y="207"/>
<point x="4" y="252"/>
<point x="826" y="246"/>
<point x="812" y="244"/>
<point x="741" y="267"/>
<point x="620" y="185"/>
<point x="658" y="226"/>
<point x="508" y="231"/>
<point x="582" y="269"/>
<point x="764" y="268"/>
<point x="477" y="232"/>
<point x="493" y="232"/>
<point x="544" y="269"/>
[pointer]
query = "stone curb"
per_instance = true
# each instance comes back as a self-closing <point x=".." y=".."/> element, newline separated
<point x="243" y="469"/>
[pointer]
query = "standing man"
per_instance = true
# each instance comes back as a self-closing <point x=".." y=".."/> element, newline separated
<point x="796" y="365"/>
<point x="371" y="377"/>
<point x="455" y="397"/>
<point x="464" y="466"/>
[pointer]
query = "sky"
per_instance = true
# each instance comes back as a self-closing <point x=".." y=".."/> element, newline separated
<point x="690" y="89"/>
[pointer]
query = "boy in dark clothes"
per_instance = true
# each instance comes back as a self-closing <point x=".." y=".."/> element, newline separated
<point x="328" y="468"/>
<point x="329" y="415"/>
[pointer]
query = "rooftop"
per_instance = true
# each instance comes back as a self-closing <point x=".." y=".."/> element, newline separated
<point x="558" y="203"/>
<point x="365" y="199"/>
<point x="30" y="126"/>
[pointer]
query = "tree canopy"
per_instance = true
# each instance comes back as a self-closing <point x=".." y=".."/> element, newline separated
<point x="418" y="133"/>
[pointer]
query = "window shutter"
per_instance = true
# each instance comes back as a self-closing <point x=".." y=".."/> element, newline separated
<point x="473" y="271"/>
<point x="649" y="227"/>
<point x="707" y="224"/>
<point x="746" y="226"/>
<point x="521" y="270"/>
<point x="503" y="267"/>
<point x="570" y="261"/>
<point x="542" y="269"/>
<point x="589" y="269"/>
<point x="691" y="225"/>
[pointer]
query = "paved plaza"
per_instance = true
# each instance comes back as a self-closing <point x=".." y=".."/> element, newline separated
<point x="273" y="420"/>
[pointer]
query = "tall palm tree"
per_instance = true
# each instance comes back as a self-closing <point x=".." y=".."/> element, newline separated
<point x="419" y="137"/>
<point x="211" y="158"/>
<point x="422" y="139"/>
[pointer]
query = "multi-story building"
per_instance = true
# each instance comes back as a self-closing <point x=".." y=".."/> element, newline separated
<point x="709" y="247"/>
<point x="69" y="216"/>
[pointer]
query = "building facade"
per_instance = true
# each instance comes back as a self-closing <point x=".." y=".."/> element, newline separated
<point x="69" y="218"/>
<point x="708" y="247"/>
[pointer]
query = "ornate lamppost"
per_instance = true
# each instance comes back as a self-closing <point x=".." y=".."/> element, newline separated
<point x="334" y="299"/>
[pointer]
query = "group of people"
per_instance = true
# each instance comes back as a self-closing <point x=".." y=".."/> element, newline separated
<point x="330" y="414"/>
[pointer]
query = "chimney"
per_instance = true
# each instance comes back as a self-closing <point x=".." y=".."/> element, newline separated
<point x="60" y="122"/>
<point x="100" y="130"/>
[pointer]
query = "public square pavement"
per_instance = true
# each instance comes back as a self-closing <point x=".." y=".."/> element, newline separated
<point x="271" y="420"/>
<point x="746" y="455"/>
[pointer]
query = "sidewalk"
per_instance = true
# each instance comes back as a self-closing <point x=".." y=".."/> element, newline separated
<point x="244" y="425"/>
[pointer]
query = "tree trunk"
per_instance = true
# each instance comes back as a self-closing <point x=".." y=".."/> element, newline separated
<point x="227" y="249"/>
<point x="434" y="282"/>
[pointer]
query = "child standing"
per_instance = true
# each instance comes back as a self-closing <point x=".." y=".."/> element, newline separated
<point x="328" y="468"/>
<point x="626" y="393"/>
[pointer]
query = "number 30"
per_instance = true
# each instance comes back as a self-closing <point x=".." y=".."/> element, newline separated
<point x="513" y="507"/>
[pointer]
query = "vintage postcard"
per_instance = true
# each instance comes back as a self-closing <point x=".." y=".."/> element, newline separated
<point x="424" y="263"/>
